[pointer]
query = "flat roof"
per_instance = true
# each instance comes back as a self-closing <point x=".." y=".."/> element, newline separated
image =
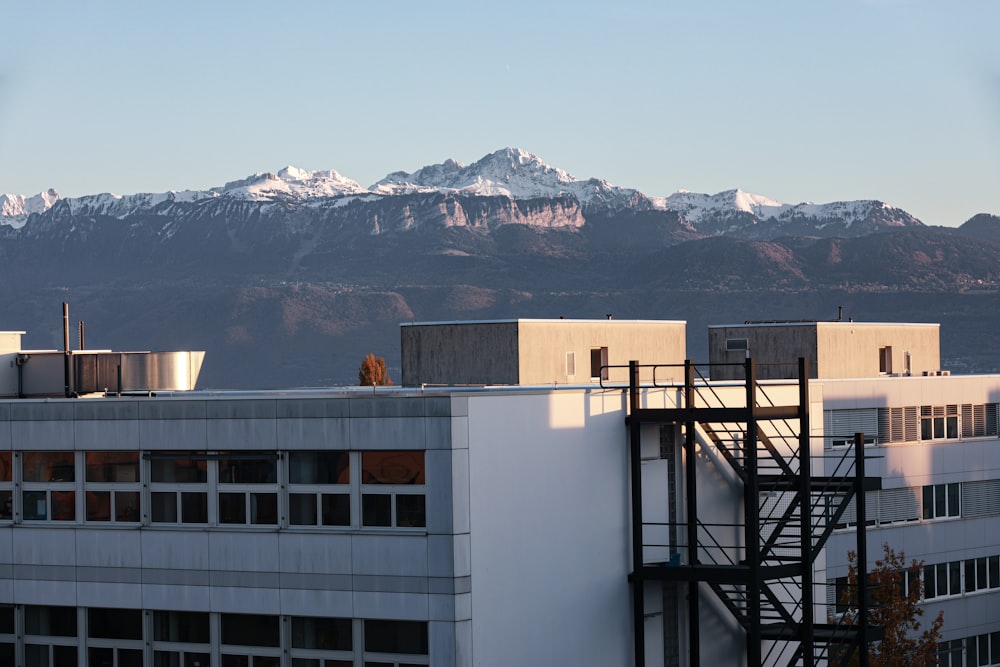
<point x="810" y="323"/>
<point x="540" y="320"/>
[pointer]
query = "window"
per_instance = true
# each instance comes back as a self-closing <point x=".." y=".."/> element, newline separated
<point x="984" y="650"/>
<point x="181" y="639"/>
<point x="570" y="364"/>
<point x="250" y="640"/>
<point x="49" y="636"/>
<point x="178" y="487"/>
<point x="885" y="360"/>
<point x="248" y="488"/>
<point x="319" y="491"/>
<point x="938" y="422"/>
<point x="982" y="573"/>
<point x="6" y="486"/>
<point x="49" y="492"/>
<point x="321" y="642"/>
<point x="8" y="639"/>
<point x="392" y="489"/>
<point x="949" y="653"/>
<point x="395" y="643"/>
<point x="114" y="637"/>
<point x="599" y="363"/>
<point x="737" y="345"/>
<point x="942" y="501"/>
<point x="942" y="579"/>
<point x="113" y="488"/>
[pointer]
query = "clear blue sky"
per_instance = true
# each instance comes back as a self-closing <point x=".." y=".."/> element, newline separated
<point x="798" y="100"/>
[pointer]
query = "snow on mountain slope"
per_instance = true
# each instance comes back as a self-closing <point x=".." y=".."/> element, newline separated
<point x="508" y="173"/>
<point x="15" y="209"/>
<point x="512" y="173"/>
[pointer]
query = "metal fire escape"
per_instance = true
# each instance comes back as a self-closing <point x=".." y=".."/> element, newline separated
<point x="765" y="579"/>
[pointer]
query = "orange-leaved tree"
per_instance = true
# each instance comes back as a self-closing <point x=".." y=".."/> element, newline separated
<point x="373" y="373"/>
<point x="894" y="592"/>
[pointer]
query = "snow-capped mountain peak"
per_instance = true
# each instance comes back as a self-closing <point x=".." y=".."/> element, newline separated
<point x="15" y="209"/>
<point x="513" y="173"/>
<point x="290" y="183"/>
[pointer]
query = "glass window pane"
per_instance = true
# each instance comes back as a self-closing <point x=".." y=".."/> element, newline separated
<point x="6" y="619"/>
<point x="6" y="653"/>
<point x="928" y="502"/>
<point x="940" y="502"/>
<point x="325" y="467"/>
<point x="392" y="467"/>
<point x="376" y="509"/>
<point x="64" y="505"/>
<point x="127" y="506"/>
<point x="232" y="508"/>
<point x="48" y="467"/>
<point x="101" y="657"/>
<point x="930" y="589"/>
<point x="36" y="656"/>
<point x="954" y="491"/>
<point x="336" y="509"/>
<point x="248" y="471"/>
<point x="98" y="505"/>
<point x="410" y="510"/>
<point x="942" y="579"/>
<point x="995" y="647"/>
<point x="6" y="505"/>
<point x="235" y="660"/>
<point x="926" y="429"/>
<point x="163" y="507"/>
<point x="114" y="623"/>
<point x="194" y="507"/>
<point x="179" y="470"/>
<point x="396" y="637"/>
<point x="970" y="575"/>
<point x="129" y="657"/>
<point x="64" y="656"/>
<point x="323" y="633"/>
<point x="112" y="466"/>
<point x="250" y="630"/>
<point x="50" y="621"/>
<point x="34" y="506"/>
<point x="981" y="580"/>
<point x="196" y="660"/>
<point x="939" y="427"/>
<point x="264" y="508"/>
<point x="952" y="427"/>
<point x="5" y="467"/>
<point x="181" y="626"/>
<point x="302" y="509"/>
<point x="994" y="571"/>
<point x="955" y="574"/>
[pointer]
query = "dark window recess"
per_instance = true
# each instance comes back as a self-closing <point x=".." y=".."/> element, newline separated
<point x="50" y="621"/>
<point x="376" y="509"/>
<point x="250" y="630"/>
<point x="394" y="467"/>
<point x="6" y="619"/>
<point x="114" y="623"/>
<point x="336" y="509"/>
<point x="332" y="634"/>
<point x="245" y="470"/>
<point x="319" y="468"/>
<point x="396" y="637"/>
<point x="410" y="510"/>
<point x="181" y="626"/>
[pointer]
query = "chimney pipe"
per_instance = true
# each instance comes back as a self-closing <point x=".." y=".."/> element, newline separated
<point x="66" y="346"/>
<point x="80" y="343"/>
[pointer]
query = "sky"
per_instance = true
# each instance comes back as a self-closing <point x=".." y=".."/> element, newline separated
<point x="818" y="101"/>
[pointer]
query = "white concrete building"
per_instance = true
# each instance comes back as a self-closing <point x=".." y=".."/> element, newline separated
<point x="478" y="525"/>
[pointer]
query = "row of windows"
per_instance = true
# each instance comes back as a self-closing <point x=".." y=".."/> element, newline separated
<point x="933" y="501"/>
<point x="43" y="636"/>
<point x="977" y="651"/>
<point x="283" y="489"/>
<point x="912" y="423"/>
<point x="939" y="580"/>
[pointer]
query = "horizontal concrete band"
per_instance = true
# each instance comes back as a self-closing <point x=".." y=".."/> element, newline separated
<point x="236" y="579"/>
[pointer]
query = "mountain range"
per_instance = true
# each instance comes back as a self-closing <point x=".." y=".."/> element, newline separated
<point x="289" y="278"/>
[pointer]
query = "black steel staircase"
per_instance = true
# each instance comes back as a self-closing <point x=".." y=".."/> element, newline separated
<point x="765" y="578"/>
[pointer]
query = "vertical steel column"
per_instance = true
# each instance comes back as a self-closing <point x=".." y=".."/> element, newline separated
<point x="691" y="500"/>
<point x="751" y="512"/>
<point x="861" y="520"/>
<point x="805" y="519"/>
<point x="635" y="468"/>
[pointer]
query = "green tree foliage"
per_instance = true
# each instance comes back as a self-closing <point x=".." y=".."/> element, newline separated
<point x="373" y="373"/>
<point x="895" y="608"/>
